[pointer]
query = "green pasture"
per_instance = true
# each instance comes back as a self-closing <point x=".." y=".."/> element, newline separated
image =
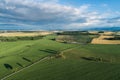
<point x="19" y="54"/>
<point x="84" y="62"/>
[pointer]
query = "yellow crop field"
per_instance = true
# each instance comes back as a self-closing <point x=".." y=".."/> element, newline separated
<point x="101" y="40"/>
<point x="12" y="34"/>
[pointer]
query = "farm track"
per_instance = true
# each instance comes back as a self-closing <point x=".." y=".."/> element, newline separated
<point x="62" y="52"/>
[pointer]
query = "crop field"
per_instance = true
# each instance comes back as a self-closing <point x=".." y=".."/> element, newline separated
<point x="13" y="34"/>
<point x="48" y="59"/>
<point x="107" y="38"/>
<point x="100" y="41"/>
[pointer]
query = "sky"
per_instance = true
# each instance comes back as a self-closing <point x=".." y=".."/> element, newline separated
<point x="59" y="14"/>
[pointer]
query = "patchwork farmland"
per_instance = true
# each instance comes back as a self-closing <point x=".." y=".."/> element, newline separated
<point x="58" y="56"/>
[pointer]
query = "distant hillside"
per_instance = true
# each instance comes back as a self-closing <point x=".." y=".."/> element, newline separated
<point x="106" y="29"/>
<point x="49" y="28"/>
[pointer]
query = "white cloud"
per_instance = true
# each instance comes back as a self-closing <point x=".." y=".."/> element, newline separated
<point x="51" y="12"/>
<point x="104" y="5"/>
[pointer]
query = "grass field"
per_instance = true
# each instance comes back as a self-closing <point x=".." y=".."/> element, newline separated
<point x="19" y="54"/>
<point x="64" y="61"/>
<point x="77" y="65"/>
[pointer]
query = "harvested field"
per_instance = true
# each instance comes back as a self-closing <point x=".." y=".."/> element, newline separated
<point x="102" y="37"/>
<point x="101" y="40"/>
<point x="93" y="32"/>
<point x="13" y="34"/>
<point x="108" y="33"/>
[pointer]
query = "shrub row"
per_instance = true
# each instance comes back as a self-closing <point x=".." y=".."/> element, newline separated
<point x="115" y="38"/>
<point x="7" y="39"/>
<point x="76" y="33"/>
<point x="72" y="33"/>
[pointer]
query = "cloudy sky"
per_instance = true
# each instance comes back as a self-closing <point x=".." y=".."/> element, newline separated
<point x="58" y="14"/>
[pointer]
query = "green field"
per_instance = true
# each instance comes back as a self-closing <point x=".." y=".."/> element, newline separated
<point x="78" y="61"/>
<point x="19" y="54"/>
